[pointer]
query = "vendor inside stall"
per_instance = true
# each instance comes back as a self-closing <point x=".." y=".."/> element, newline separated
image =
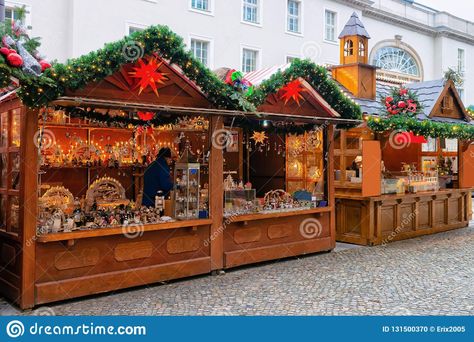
<point x="157" y="178"/>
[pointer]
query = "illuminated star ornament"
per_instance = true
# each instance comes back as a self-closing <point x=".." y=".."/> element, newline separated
<point x="293" y="91"/>
<point x="259" y="137"/>
<point x="146" y="116"/>
<point x="148" y="75"/>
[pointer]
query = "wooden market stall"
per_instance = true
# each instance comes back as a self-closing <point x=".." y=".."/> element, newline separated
<point x="74" y="148"/>
<point x="284" y="205"/>
<point x="408" y="170"/>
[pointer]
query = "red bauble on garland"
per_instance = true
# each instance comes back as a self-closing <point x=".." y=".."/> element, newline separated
<point x="401" y="101"/>
<point x="5" y="51"/>
<point x="15" y="60"/>
<point x="44" y="65"/>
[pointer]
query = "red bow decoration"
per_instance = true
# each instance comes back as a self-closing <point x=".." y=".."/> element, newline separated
<point x="148" y="75"/>
<point x="292" y="90"/>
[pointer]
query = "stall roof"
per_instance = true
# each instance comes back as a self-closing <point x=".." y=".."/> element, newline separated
<point x="429" y="93"/>
<point x="258" y="76"/>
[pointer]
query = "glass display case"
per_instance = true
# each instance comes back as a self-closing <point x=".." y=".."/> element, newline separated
<point x="239" y="201"/>
<point x="186" y="192"/>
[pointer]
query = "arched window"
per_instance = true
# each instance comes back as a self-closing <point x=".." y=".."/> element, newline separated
<point x="394" y="59"/>
<point x="349" y="48"/>
<point x="361" y="48"/>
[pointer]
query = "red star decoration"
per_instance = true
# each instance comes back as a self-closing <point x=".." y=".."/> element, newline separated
<point x="148" y="75"/>
<point x="293" y="91"/>
<point x="146" y="116"/>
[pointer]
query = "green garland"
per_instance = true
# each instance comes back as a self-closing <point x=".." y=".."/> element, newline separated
<point x="317" y="77"/>
<point x="77" y="73"/>
<point x="95" y="66"/>
<point x="426" y="128"/>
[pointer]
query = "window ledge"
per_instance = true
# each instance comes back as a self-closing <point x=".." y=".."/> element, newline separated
<point x="332" y="42"/>
<point x="297" y="34"/>
<point x="208" y="13"/>
<point x="251" y="23"/>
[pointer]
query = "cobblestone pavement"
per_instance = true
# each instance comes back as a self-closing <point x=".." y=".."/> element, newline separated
<point x="432" y="275"/>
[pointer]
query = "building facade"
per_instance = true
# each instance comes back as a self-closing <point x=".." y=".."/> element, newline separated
<point x="409" y="42"/>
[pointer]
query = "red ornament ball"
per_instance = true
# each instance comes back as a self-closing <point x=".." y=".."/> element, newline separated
<point x="15" y="60"/>
<point x="5" y="51"/>
<point x="403" y="91"/>
<point x="401" y="104"/>
<point x="44" y="65"/>
<point x="389" y="99"/>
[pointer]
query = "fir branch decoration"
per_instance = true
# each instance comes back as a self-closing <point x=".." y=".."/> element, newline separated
<point x="426" y="128"/>
<point x="317" y="77"/>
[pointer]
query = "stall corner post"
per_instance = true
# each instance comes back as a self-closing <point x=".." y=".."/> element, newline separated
<point x="216" y="195"/>
<point x="330" y="179"/>
<point x="29" y="198"/>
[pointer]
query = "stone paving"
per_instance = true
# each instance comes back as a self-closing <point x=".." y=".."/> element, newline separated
<point x="431" y="275"/>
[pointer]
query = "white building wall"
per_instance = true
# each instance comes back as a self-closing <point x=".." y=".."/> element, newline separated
<point x="71" y="28"/>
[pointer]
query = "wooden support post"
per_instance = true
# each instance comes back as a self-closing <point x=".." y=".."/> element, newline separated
<point x="216" y="194"/>
<point x="329" y="149"/>
<point x="29" y="197"/>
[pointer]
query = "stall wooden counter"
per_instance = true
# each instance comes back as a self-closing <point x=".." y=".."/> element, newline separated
<point x="367" y="216"/>
<point x="375" y="220"/>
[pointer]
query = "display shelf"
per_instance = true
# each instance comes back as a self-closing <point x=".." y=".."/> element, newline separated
<point x="84" y="234"/>
<point x="267" y="215"/>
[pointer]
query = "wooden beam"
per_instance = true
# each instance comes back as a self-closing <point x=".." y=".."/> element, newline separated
<point x="29" y="199"/>
<point x="216" y="194"/>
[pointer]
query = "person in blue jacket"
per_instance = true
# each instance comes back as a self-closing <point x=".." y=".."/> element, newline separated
<point x="157" y="177"/>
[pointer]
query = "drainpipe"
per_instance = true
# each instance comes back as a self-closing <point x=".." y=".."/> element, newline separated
<point x="2" y="11"/>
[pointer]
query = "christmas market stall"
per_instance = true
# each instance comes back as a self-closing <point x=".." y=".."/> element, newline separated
<point x="409" y="169"/>
<point x="76" y="141"/>
<point x="278" y="188"/>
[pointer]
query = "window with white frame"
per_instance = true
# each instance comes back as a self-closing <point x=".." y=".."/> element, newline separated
<point x="249" y="60"/>
<point x="200" y="5"/>
<point x="200" y="49"/>
<point x="290" y="59"/>
<point x="461" y="61"/>
<point x="133" y="29"/>
<point x="294" y="16"/>
<point x="330" y="23"/>
<point x="13" y="11"/>
<point x="251" y="11"/>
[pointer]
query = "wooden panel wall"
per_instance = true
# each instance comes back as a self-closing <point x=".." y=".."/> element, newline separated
<point x="371" y="168"/>
<point x="108" y="263"/>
